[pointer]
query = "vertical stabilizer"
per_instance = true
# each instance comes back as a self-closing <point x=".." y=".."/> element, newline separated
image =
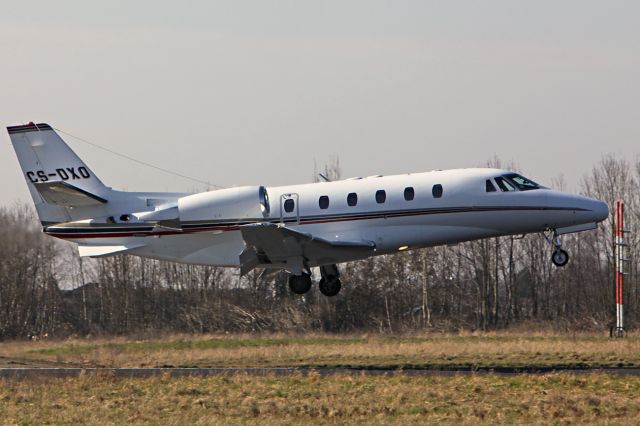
<point x="60" y="183"/>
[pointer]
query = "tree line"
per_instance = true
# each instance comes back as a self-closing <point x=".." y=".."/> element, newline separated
<point x="485" y="284"/>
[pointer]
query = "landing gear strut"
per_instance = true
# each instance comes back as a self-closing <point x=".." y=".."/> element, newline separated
<point x="330" y="284"/>
<point x="559" y="257"/>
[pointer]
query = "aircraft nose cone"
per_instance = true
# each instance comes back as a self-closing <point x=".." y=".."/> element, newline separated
<point x="600" y="210"/>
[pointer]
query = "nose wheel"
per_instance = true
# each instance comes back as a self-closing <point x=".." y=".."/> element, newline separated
<point x="559" y="257"/>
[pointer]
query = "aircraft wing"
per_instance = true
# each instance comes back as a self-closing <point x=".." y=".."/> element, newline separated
<point x="63" y="194"/>
<point x="268" y="243"/>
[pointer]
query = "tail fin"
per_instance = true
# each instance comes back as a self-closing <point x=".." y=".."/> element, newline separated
<point x="63" y="188"/>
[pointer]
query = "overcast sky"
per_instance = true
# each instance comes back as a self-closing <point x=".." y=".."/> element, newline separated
<point x="243" y="92"/>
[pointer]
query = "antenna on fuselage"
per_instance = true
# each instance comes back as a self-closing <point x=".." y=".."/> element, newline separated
<point x="324" y="178"/>
<point x="144" y="163"/>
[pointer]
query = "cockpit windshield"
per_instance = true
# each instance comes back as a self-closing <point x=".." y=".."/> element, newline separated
<point x="521" y="182"/>
<point x="504" y="184"/>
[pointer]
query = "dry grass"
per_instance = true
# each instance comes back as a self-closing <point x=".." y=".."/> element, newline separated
<point x="486" y="350"/>
<point x="238" y="399"/>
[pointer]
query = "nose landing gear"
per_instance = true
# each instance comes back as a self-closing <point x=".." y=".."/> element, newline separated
<point x="559" y="257"/>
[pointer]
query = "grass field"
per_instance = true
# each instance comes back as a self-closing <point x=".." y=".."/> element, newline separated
<point x="553" y="398"/>
<point x="438" y="351"/>
<point x="311" y="398"/>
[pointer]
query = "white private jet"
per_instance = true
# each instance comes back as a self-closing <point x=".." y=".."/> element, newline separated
<point x="294" y="228"/>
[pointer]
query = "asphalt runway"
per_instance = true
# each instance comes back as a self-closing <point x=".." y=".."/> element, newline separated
<point x="31" y="372"/>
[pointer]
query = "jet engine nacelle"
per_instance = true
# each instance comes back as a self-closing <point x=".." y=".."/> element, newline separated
<point x="246" y="202"/>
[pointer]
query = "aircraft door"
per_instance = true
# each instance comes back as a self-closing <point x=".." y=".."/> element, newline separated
<point x="289" y="208"/>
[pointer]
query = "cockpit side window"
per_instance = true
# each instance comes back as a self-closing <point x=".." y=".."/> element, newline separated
<point x="521" y="182"/>
<point x="504" y="185"/>
<point x="489" y="186"/>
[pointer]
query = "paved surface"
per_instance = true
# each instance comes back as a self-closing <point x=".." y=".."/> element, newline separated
<point x="180" y="372"/>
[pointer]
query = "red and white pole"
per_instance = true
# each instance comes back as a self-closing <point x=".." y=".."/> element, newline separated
<point x="619" y="266"/>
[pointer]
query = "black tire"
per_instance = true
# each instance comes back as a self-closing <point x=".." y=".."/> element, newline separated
<point x="560" y="258"/>
<point x="330" y="286"/>
<point x="300" y="284"/>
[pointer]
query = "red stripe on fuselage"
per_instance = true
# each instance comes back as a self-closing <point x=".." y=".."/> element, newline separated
<point x="236" y="226"/>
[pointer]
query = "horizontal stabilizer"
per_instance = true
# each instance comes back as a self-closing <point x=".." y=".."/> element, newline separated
<point x="101" y="251"/>
<point x="63" y="194"/>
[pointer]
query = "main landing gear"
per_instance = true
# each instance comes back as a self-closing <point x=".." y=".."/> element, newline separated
<point x="300" y="284"/>
<point x="559" y="257"/>
<point x="329" y="284"/>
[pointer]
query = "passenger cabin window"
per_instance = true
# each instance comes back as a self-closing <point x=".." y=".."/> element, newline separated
<point x="521" y="182"/>
<point x="352" y="199"/>
<point x="436" y="191"/>
<point x="409" y="193"/>
<point x="289" y="205"/>
<point x="323" y="202"/>
<point x="381" y="196"/>
<point x="504" y="185"/>
<point x="490" y="187"/>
